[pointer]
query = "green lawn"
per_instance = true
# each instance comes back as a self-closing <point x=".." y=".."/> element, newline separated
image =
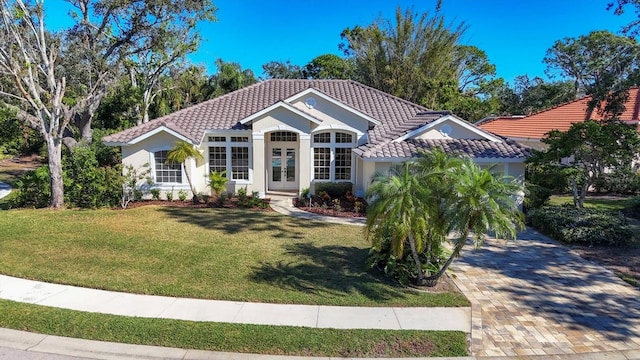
<point x="602" y="203"/>
<point x="279" y="340"/>
<point x="229" y="254"/>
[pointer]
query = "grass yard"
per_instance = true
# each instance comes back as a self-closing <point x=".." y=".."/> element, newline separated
<point x="227" y="254"/>
<point x="597" y="202"/>
<point x="277" y="340"/>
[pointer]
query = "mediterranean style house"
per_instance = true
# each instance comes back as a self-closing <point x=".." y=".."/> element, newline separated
<point x="288" y="135"/>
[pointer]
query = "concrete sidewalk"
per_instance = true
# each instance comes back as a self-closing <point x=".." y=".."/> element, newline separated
<point x="5" y="189"/>
<point x="284" y="205"/>
<point x="313" y="316"/>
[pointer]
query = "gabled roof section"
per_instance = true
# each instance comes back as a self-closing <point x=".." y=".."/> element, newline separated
<point x="146" y="131"/>
<point x="504" y="151"/>
<point x="283" y="105"/>
<point x="560" y="117"/>
<point x="312" y="91"/>
<point x="226" y="112"/>
<point x="444" y="116"/>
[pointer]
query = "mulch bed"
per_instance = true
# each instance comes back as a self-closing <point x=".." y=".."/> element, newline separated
<point x="229" y="204"/>
<point x="347" y="207"/>
<point x="623" y="261"/>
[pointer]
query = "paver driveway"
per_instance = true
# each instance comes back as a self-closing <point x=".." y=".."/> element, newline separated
<point x="532" y="296"/>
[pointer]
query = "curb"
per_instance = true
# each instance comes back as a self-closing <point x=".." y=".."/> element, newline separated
<point x="41" y="343"/>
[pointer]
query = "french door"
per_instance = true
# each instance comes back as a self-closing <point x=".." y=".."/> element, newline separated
<point x="282" y="169"/>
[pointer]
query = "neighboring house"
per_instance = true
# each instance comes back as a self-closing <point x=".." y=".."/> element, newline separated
<point x="287" y="135"/>
<point x="529" y="130"/>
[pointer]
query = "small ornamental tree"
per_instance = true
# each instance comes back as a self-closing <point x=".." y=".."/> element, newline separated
<point x="588" y="149"/>
<point x="180" y="153"/>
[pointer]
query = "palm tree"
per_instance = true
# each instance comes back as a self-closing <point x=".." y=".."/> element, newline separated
<point x="422" y="201"/>
<point x="180" y="153"/>
<point x="397" y="209"/>
<point x="482" y="202"/>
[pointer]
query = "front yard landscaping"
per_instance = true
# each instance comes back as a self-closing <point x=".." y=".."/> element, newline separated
<point x="227" y="254"/>
<point x="623" y="260"/>
<point x="231" y="254"/>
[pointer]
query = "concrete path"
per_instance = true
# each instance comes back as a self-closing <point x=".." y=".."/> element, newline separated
<point x="533" y="297"/>
<point x="314" y="316"/>
<point x="5" y="189"/>
<point x="284" y="205"/>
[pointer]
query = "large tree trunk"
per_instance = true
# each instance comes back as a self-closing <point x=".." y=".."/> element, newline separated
<point x="83" y="122"/>
<point x="54" y="149"/>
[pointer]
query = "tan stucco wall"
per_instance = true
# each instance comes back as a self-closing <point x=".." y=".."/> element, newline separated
<point x="333" y="115"/>
<point x="457" y="132"/>
<point x="281" y="119"/>
<point x="141" y="153"/>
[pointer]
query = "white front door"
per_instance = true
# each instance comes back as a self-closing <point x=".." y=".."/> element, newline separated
<point x="282" y="168"/>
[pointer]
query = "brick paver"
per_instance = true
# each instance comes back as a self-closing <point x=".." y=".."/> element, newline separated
<point x="534" y="297"/>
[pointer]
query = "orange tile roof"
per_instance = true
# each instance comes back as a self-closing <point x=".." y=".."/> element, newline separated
<point x="560" y="117"/>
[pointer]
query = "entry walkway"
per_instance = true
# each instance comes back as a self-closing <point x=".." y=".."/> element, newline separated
<point x="284" y="205"/>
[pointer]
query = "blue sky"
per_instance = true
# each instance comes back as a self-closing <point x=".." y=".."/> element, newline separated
<point x="514" y="34"/>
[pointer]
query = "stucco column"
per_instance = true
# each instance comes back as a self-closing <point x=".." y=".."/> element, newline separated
<point x="259" y="181"/>
<point x="306" y="163"/>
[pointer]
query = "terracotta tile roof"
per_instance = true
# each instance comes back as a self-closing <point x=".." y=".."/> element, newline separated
<point x="475" y="148"/>
<point x="396" y="118"/>
<point x="226" y="111"/>
<point x="561" y="117"/>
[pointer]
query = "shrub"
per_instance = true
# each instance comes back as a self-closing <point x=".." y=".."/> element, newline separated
<point x="218" y="182"/>
<point x="169" y="195"/>
<point x="129" y="185"/>
<point x="549" y="176"/>
<point x="620" y="181"/>
<point x="334" y="189"/>
<point x="155" y="194"/>
<point x="33" y="189"/>
<point x="305" y="193"/>
<point x="222" y="198"/>
<point x="402" y="269"/>
<point x="633" y="209"/>
<point x="581" y="226"/>
<point x="535" y="196"/>
<point x="255" y="200"/>
<point x="182" y="195"/>
<point x="86" y="183"/>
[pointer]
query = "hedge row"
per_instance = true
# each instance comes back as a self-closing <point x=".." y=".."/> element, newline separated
<point x="581" y="226"/>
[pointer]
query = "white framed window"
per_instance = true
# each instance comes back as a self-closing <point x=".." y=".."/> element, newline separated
<point x="231" y="154"/>
<point x="284" y="136"/>
<point x="322" y="163"/>
<point x="217" y="159"/>
<point x="332" y="157"/>
<point x="240" y="163"/>
<point x="163" y="172"/>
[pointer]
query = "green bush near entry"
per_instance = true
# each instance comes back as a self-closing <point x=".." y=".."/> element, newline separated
<point x="581" y="226"/>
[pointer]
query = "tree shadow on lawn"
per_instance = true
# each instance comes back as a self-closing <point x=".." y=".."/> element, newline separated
<point x="335" y="270"/>
<point x="235" y="221"/>
<point x="559" y="285"/>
